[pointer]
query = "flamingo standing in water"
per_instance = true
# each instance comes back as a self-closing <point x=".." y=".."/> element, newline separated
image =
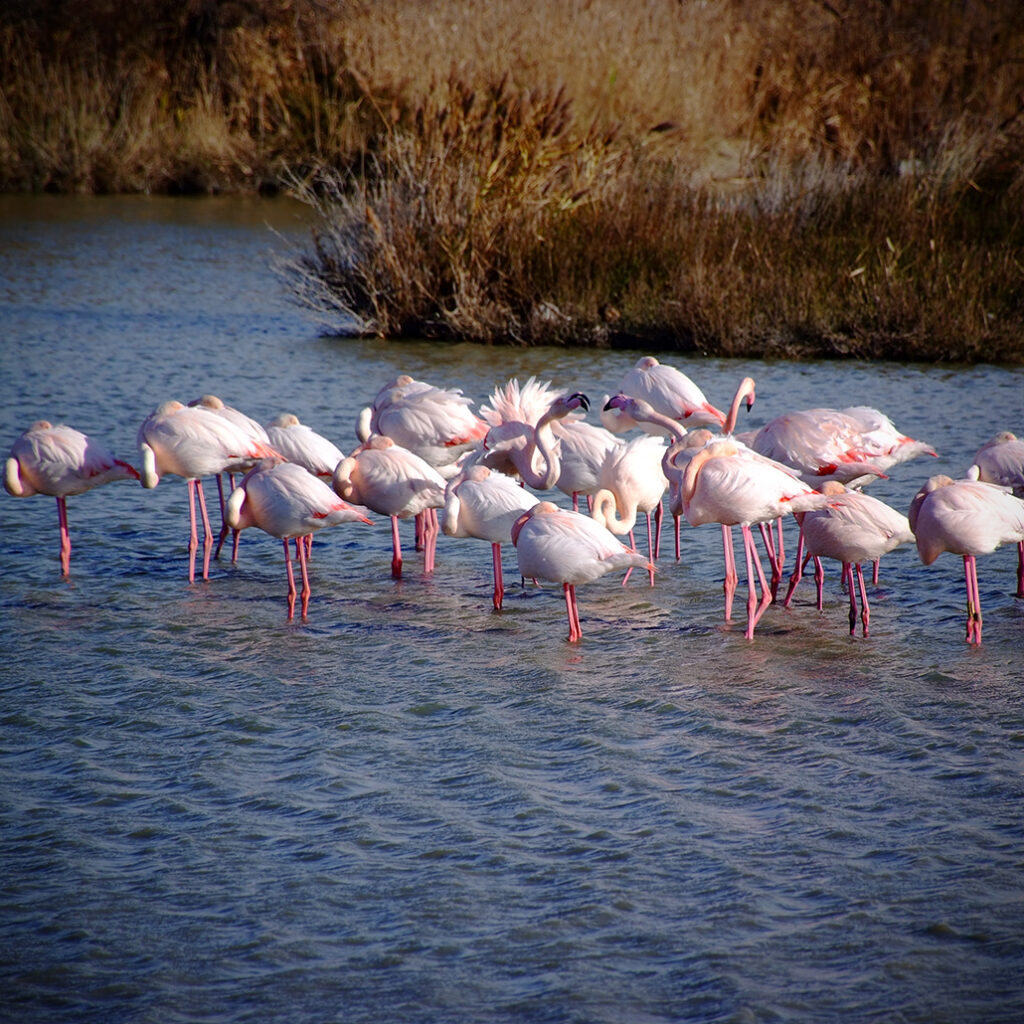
<point x="669" y="392"/>
<point x="60" y="461"/>
<point x="286" y="501"/>
<point x="570" y="548"/>
<point x="193" y="442"/>
<point x="632" y="483"/>
<point x="968" y="518"/>
<point x="437" y="424"/>
<point x="723" y="484"/>
<point x="484" y="504"/>
<point x="852" y="528"/>
<point x="582" y="448"/>
<point x="395" y="482"/>
<point x="1001" y="461"/>
<point x="300" y="444"/>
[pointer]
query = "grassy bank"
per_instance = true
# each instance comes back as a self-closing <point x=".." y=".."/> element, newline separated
<point x="730" y="177"/>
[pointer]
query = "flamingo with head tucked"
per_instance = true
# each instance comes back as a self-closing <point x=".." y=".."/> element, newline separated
<point x="304" y="446"/>
<point x="724" y="484"/>
<point x="60" y="461"/>
<point x="567" y="547"/>
<point x="669" y="392"/>
<point x="967" y="518"/>
<point x="1001" y="461"/>
<point x="193" y="442"/>
<point x="286" y="501"/>
<point x="395" y="482"/>
<point x="482" y="503"/>
<point x="852" y="528"/>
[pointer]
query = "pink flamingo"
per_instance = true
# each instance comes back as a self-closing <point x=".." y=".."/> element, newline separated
<point x="286" y="501"/>
<point x="300" y="444"/>
<point x="193" y="442"/>
<point x="521" y="441"/>
<point x="852" y="528"/>
<point x="722" y="484"/>
<point x="60" y="461"/>
<point x="484" y="504"/>
<point x="395" y="482"/>
<point x="567" y="547"/>
<point x="849" y="445"/>
<point x="669" y="392"/>
<point x="968" y="518"/>
<point x="632" y="483"/>
<point x="1001" y="461"/>
<point x="250" y="429"/>
<point x="437" y="424"/>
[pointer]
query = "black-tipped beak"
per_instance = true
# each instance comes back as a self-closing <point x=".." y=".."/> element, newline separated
<point x="583" y="400"/>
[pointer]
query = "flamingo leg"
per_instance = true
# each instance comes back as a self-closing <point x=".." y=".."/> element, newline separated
<point x="207" y="531"/>
<point x="819" y="582"/>
<point x="224" y="528"/>
<point x="1020" y="568"/>
<point x="731" y="579"/>
<point x="798" y="569"/>
<point x="780" y="554"/>
<point x="572" y="610"/>
<point x="396" y="548"/>
<point x="653" y="545"/>
<point x="499" y="583"/>
<point x="677" y="529"/>
<point x="575" y="501"/>
<point x="848" y="578"/>
<point x="291" y="580"/>
<point x="193" y="539"/>
<point x="973" y="600"/>
<point x="769" y="546"/>
<point x="865" y="610"/>
<point x="659" y="515"/>
<point x="435" y="529"/>
<point x="65" y="537"/>
<point x="300" y="551"/>
<point x="755" y="606"/>
<point x="874" y="572"/>
<point x="418" y="533"/>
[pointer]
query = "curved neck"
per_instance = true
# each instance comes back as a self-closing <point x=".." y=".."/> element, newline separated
<point x="150" y="473"/>
<point x="745" y="392"/>
<point x="606" y="512"/>
<point x="541" y="442"/>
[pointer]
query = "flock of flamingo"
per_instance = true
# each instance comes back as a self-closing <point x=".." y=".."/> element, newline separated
<point x="423" y="448"/>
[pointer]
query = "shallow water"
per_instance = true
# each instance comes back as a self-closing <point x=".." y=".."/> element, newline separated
<point x="409" y="807"/>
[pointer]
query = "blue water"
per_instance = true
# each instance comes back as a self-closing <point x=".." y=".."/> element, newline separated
<point x="411" y="808"/>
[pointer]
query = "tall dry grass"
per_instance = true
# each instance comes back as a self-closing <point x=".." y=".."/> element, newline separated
<point x="839" y="176"/>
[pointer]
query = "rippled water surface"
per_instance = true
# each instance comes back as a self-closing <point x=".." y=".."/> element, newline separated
<point x="411" y="808"/>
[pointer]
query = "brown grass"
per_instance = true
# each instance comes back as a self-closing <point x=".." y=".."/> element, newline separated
<point x="841" y="177"/>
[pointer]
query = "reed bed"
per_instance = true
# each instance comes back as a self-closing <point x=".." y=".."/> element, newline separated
<point x="724" y="176"/>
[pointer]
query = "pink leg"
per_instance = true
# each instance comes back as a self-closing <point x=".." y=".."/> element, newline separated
<point x="224" y="528"/>
<point x="207" y="532"/>
<point x="848" y="578"/>
<point x="677" y="528"/>
<point x="575" y="633"/>
<point x="653" y="544"/>
<point x="973" y="600"/>
<point x="418" y="532"/>
<point x="499" y="583"/>
<point x="773" y="559"/>
<point x="780" y="554"/>
<point x="659" y="515"/>
<point x="865" y="610"/>
<point x="434" y="529"/>
<point x="65" y="537"/>
<point x="575" y="501"/>
<point x="731" y="579"/>
<point x="874" y="571"/>
<point x="396" y="549"/>
<point x="798" y="569"/>
<point x="766" y="595"/>
<point x="291" y="580"/>
<point x="193" y="540"/>
<point x="819" y="582"/>
<point x="300" y="551"/>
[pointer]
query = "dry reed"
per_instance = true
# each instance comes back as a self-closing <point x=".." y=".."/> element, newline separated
<point x="729" y="176"/>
